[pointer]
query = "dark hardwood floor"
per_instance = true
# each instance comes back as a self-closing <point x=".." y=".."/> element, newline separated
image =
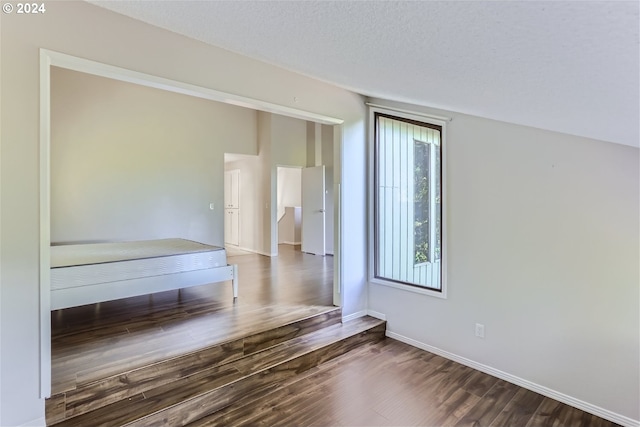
<point x="98" y="340"/>
<point x="383" y="384"/>
<point x="393" y="384"/>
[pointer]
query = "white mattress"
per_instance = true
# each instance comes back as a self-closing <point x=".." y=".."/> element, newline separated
<point x="90" y="264"/>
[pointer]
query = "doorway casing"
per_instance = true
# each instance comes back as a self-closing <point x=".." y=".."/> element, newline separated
<point x="50" y="58"/>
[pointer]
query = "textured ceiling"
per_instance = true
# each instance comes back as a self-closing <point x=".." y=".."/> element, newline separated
<point x="567" y="66"/>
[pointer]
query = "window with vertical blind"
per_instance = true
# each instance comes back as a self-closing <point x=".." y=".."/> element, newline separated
<point x="407" y="205"/>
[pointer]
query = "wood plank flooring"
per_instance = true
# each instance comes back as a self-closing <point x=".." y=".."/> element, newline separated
<point x="384" y="384"/>
<point x="100" y="340"/>
<point x="204" y="392"/>
<point x="393" y="384"/>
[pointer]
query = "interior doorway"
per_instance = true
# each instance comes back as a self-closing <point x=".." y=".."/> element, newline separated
<point x="232" y="207"/>
<point x="313" y="211"/>
<point x="48" y="59"/>
<point x="289" y="205"/>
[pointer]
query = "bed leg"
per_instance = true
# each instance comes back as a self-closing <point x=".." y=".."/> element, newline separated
<point x="235" y="281"/>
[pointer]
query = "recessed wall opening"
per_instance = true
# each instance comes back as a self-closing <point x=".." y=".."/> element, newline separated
<point x="99" y="186"/>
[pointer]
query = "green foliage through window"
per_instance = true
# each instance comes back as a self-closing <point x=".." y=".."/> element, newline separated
<point x="407" y="201"/>
<point x="421" y="202"/>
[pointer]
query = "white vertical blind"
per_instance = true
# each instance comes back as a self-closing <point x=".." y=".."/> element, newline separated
<point x="396" y="140"/>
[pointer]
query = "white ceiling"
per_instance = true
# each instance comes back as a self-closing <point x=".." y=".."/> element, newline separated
<point x="567" y="66"/>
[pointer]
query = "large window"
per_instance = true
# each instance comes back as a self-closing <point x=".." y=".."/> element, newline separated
<point x="407" y="230"/>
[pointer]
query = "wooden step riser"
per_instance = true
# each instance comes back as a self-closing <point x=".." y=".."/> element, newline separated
<point x="191" y="394"/>
<point x="130" y="385"/>
<point x="245" y="406"/>
<point x="248" y="388"/>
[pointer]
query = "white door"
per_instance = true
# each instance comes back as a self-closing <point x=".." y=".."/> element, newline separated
<point x="231" y="227"/>
<point x="313" y="210"/>
<point x="232" y="203"/>
<point x="232" y="189"/>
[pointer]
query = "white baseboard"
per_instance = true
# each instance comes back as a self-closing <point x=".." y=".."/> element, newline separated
<point x="354" y="315"/>
<point x="290" y="243"/>
<point x="561" y="397"/>
<point x="363" y="313"/>
<point x="242" y="248"/>
<point x="38" y="422"/>
<point x="256" y="252"/>
<point x="377" y="315"/>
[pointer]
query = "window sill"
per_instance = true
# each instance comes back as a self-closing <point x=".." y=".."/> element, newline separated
<point x="409" y="288"/>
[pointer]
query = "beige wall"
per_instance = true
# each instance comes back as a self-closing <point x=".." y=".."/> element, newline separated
<point x="130" y="162"/>
<point x="543" y="249"/>
<point x="281" y="142"/>
<point x="87" y="31"/>
<point x="543" y="227"/>
<point x="288" y="148"/>
<point x="325" y="155"/>
<point x="289" y="187"/>
<point x="289" y="226"/>
<point x="289" y="141"/>
<point x="327" y="161"/>
<point x="292" y="143"/>
<point x="252" y="203"/>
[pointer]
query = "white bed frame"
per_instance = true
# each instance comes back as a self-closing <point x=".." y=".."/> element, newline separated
<point x="77" y="285"/>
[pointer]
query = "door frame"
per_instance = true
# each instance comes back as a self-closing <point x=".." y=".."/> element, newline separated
<point x="275" y="238"/>
<point x="49" y="58"/>
<point x="231" y="171"/>
<point x="305" y="230"/>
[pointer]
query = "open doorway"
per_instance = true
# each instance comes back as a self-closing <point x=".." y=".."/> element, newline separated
<point x="271" y="182"/>
<point x="131" y="226"/>
<point x="289" y="206"/>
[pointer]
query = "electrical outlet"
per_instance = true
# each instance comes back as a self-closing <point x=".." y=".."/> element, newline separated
<point x="479" y="330"/>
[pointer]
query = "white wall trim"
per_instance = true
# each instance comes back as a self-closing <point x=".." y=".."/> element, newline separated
<point x="104" y="70"/>
<point x="409" y="288"/>
<point x="436" y="120"/>
<point x="45" y="224"/>
<point x="414" y="113"/>
<point x="338" y="275"/>
<point x="545" y="391"/>
<point x="363" y="313"/>
<point x="242" y="248"/>
<point x="355" y="315"/>
<point x="377" y="315"/>
<point x="290" y="243"/>
<point x="50" y="58"/>
<point x="38" y="422"/>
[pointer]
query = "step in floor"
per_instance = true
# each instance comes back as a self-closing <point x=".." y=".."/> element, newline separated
<point x="202" y="393"/>
<point x="97" y="383"/>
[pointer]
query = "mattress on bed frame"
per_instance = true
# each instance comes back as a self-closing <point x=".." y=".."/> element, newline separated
<point x="91" y="264"/>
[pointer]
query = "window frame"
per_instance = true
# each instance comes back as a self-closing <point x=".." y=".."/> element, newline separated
<point x="422" y="120"/>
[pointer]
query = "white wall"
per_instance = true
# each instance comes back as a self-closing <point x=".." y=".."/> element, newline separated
<point x="252" y="202"/>
<point x="543" y="250"/>
<point x="281" y="141"/>
<point x="290" y="226"/>
<point x="288" y="141"/>
<point x="78" y="29"/>
<point x="130" y="162"/>
<point x="289" y="188"/>
<point x="327" y="160"/>
<point x="266" y="185"/>
<point x="288" y="148"/>
<point x="321" y="151"/>
<point x="353" y="229"/>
